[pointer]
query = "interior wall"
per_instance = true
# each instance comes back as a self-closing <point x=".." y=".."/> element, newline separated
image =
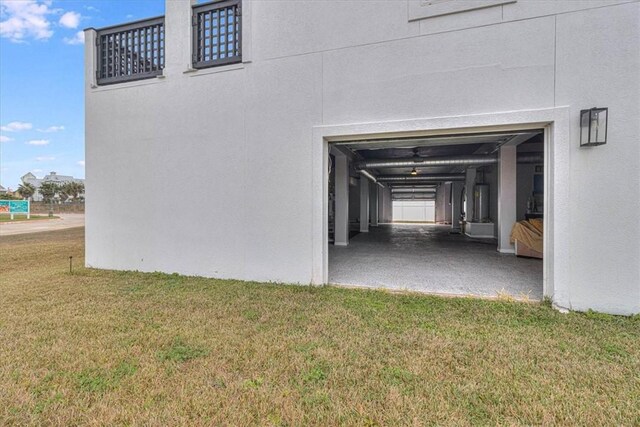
<point x="525" y="173"/>
<point x="443" y="207"/>
<point x="414" y="210"/>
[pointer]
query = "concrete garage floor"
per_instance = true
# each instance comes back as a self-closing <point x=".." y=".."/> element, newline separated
<point x="426" y="258"/>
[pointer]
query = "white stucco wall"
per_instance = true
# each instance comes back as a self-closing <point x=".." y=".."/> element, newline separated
<point x="243" y="135"/>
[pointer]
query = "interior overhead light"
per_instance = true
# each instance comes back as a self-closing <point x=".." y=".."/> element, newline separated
<point x="414" y="172"/>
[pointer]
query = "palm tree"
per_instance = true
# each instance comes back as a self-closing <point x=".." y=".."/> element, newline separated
<point x="66" y="191"/>
<point x="49" y="190"/>
<point x="63" y="193"/>
<point x="79" y="189"/>
<point x="71" y="189"/>
<point x="26" y="190"/>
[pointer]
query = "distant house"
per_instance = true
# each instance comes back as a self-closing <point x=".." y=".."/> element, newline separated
<point x="30" y="178"/>
<point x="3" y="190"/>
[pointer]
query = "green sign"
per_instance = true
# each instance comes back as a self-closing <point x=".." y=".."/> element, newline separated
<point x="14" y="207"/>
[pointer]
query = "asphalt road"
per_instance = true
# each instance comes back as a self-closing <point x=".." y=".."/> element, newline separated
<point x="36" y="226"/>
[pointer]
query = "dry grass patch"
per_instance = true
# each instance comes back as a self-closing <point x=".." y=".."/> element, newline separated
<point x="101" y="348"/>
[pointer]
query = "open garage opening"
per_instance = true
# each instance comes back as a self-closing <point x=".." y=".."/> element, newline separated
<point x="454" y="214"/>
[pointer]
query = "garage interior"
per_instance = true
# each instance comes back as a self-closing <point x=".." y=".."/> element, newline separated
<point x="436" y="214"/>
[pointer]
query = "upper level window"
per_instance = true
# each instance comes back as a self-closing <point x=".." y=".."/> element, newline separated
<point x="217" y="33"/>
<point x="131" y="51"/>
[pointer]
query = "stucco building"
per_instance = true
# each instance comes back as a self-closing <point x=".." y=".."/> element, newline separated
<point x="30" y="178"/>
<point x="293" y="126"/>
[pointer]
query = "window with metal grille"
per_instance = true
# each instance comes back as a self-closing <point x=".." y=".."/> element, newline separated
<point x="129" y="52"/>
<point x="217" y="33"/>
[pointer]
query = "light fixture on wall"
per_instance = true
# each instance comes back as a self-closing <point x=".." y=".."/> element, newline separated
<point x="593" y="126"/>
<point x="414" y="172"/>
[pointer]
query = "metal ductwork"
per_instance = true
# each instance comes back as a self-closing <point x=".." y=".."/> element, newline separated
<point x="417" y="199"/>
<point x="530" y="158"/>
<point x="413" y="190"/>
<point x="417" y="196"/>
<point x="431" y="161"/>
<point x="422" y="178"/>
<point x="445" y="161"/>
<point x="416" y="186"/>
<point x="371" y="177"/>
<point x="408" y="186"/>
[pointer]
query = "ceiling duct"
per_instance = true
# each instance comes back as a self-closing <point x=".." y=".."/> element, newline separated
<point x="530" y="158"/>
<point x="445" y="161"/>
<point x="421" y="178"/>
<point x="411" y="186"/>
<point x="413" y="197"/>
<point x="426" y="162"/>
<point x="371" y="177"/>
<point x="413" y="190"/>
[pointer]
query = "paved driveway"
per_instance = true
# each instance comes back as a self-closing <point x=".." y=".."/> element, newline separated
<point x="22" y="227"/>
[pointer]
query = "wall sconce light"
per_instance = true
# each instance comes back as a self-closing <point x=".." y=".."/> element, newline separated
<point x="593" y="126"/>
<point x="414" y="172"/>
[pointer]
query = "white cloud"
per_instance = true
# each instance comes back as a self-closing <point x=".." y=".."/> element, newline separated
<point x="78" y="38"/>
<point x="38" y="142"/>
<point x="25" y="19"/>
<point x="45" y="158"/>
<point x="92" y="8"/>
<point x="16" y="127"/>
<point x="51" y="129"/>
<point x="5" y="138"/>
<point x="81" y="162"/>
<point x="70" y="20"/>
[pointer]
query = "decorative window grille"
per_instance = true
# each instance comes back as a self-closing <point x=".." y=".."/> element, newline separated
<point x="130" y="52"/>
<point x="217" y="33"/>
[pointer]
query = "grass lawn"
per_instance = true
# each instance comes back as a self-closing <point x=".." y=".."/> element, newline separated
<point x="104" y="348"/>
<point x="19" y="217"/>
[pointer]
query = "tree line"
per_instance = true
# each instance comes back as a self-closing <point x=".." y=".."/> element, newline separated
<point x="51" y="190"/>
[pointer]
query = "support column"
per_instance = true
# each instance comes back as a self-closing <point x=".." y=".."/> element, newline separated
<point x="373" y="203"/>
<point x="342" y="200"/>
<point x="456" y="195"/>
<point x="364" y="204"/>
<point x="440" y="204"/>
<point x="178" y="38"/>
<point x="470" y="184"/>
<point x="381" y="218"/>
<point x="506" y="197"/>
<point x="389" y="204"/>
<point x="447" y="187"/>
<point x="90" y="58"/>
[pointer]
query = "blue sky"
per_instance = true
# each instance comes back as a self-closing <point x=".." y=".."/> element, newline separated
<point x="41" y="80"/>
